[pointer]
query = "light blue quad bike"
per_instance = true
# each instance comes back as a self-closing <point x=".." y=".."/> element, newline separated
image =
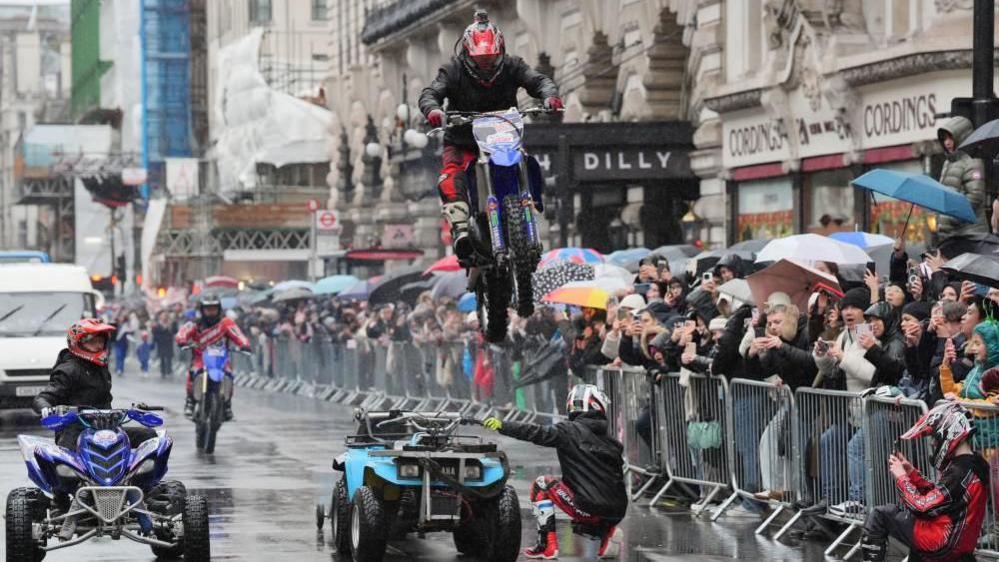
<point x="408" y="472"/>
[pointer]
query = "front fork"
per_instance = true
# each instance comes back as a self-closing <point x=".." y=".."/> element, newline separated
<point x="484" y="185"/>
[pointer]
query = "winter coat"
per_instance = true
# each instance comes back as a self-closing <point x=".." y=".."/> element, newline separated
<point x="466" y="93"/>
<point x="792" y="361"/>
<point x="917" y="367"/>
<point x="888" y="355"/>
<point x="590" y="459"/>
<point x="853" y="373"/>
<point x="966" y="175"/>
<point x="727" y="360"/>
<point x="959" y="369"/>
<point x="75" y="382"/>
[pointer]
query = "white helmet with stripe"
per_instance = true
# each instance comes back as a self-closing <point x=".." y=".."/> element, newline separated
<point x="586" y="398"/>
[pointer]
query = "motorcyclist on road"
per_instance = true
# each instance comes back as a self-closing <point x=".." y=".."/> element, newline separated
<point x="211" y="328"/>
<point x="81" y="377"/>
<point x="942" y="520"/>
<point x="591" y="490"/>
<point x="482" y="77"/>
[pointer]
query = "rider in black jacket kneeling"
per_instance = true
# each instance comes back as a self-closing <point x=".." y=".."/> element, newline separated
<point x="591" y="490"/>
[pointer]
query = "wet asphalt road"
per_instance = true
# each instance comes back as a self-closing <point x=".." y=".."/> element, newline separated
<point x="273" y="464"/>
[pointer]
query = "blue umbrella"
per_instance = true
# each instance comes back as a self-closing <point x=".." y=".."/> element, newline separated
<point x="467" y="303"/>
<point x="919" y="190"/>
<point x="334" y="284"/>
<point x="358" y="291"/>
<point x="864" y="240"/>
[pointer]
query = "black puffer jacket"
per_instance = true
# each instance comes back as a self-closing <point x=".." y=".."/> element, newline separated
<point x="888" y="357"/>
<point x="591" y="460"/>
<point x="793" y="360"/>
<point x="465" y="93"/>
<point x="75" y="382"/>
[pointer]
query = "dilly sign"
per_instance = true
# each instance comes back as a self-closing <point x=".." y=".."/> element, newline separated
<point x="621" y="164"/>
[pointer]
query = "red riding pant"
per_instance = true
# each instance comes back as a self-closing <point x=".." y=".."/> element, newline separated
<point x="452" y="185"/>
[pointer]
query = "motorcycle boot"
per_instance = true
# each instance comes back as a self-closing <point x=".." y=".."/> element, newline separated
<point x="874" y="549"/>
<point x="547" y="547"/>
<point x="457" y="215"/>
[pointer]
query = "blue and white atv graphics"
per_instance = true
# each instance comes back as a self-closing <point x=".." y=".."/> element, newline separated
<point x="505" y="191"/>
<point x="104" y="488"/>
<point x="411" y="471"/>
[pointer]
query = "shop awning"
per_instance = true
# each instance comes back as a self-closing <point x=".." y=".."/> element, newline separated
<point x="382" y="254"/>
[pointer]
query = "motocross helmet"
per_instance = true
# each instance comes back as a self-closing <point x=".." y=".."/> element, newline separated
<point x="80" y="338"/>
<point x="948" y="424"/>
<point x="483" y="49"/>
<point x="210" y="308"/>
<point x="586" y="398"/>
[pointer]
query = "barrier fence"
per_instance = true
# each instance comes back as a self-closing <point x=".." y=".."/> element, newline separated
<point x="810" y="454"/>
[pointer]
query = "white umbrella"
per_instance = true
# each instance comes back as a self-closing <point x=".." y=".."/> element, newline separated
<point x="607" y="270"/>
<point x="738" y="289"/>
<point x="811" y="248"/>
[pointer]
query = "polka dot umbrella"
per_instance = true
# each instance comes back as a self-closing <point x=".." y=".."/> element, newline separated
<point x="549" y="278"/>
<point x="571" y="255"/>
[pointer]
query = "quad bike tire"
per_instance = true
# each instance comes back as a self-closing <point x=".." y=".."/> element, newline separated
<point x="24" y="506"/>
<point x="367" y="526"/>
<point x="197" y="545"/>
<point x="167" y="498"/>
<point x="470" y="538"/>
<point x="340" y="518"/>
<point x="506" y="527"/>
<point x="525" y="255"/>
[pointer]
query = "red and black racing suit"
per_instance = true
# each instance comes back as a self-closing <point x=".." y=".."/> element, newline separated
<point x="941" y="521"/>
<point x="200" y="336"/>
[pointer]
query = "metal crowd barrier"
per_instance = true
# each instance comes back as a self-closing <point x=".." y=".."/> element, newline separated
<point x="760" y="417"/>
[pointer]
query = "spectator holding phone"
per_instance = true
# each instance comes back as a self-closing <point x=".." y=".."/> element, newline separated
<point x="946" y="326"/>
<point x="884" y="344"/>
<point x="842" y="366"/>
<point x="623" y="318"/>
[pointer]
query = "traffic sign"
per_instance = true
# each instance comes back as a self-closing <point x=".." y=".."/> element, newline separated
<point x="326" y="220"/>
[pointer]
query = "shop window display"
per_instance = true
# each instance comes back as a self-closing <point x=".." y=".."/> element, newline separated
<point x="766" y="209"/>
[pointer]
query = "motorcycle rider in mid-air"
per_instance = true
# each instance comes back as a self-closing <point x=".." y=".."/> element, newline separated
<point x="211" y="328"/>
<point x="482" y="77"/>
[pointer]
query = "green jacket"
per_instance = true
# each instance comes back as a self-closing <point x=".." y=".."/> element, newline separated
<point x="966" y="175"/>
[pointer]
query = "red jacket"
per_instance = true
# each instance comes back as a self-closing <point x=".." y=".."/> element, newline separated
<point x="199" y="338"/>
<point x="950" y="512"/>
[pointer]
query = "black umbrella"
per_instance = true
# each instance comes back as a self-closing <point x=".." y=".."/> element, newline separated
<point x="450" y="285"/>
<point x="389" y="287"/>
<point x="978" y="243"/>
<point x="753" y="246"/>
<point x="410" y="293"/>
<point x="983" y="141"/>
<point x="705" y="261"/>
<point x="982" y="269"/>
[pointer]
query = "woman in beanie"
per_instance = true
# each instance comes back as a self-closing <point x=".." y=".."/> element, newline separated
<point x="920" y="347"/>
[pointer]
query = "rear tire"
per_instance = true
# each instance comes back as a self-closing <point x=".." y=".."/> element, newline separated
<point x="22" y="509"/>
<point x="367" y="526"/>
<point x="498" y="289"/>
<point x="340" y="517"/>
<point x="197" y="545"/>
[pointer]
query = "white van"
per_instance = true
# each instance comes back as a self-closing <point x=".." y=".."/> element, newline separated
<point x="38" y="302"/>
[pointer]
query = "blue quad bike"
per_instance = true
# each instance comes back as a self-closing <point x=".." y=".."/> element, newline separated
<point x="104" y="488"/>
<point x="504" y="188"/>
<point x="411" y="471"/>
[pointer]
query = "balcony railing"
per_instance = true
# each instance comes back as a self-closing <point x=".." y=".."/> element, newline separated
<point x="398" y="15"/>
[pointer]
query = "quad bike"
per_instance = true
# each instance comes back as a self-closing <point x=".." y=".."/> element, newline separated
<point x="504" y="187"/>
<point x="412" y="472"/>
<point x="103" y="489"/>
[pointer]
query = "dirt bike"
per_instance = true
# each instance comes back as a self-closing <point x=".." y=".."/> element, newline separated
<point x="504" y="187"/>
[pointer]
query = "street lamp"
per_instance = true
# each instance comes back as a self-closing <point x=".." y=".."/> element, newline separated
<point x="373" y="149"/>
<point x="402" y="113"/>
<point x="414" y="138"/>
<point x="691" y="225"/>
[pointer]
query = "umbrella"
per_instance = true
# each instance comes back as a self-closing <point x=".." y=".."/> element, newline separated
<point x="293" y="284"/>
<point x="388" y="289"/>
<point x="589" y="297"/>
<point x="919" y="190"/>
<point x="812" y="248"/>
<point x="749" y="246"/>
<point x="629" y="258"/>
<point x="542" y="363"/>
<point x="444" y="265"/>
<point x="705" y="261"/>
<point x="982" y="269"/>
<point x="737" y="289"/>
<point x="573" y="255"/>
<point x="262" y="296"/>
<point x="358" y="291"/>
<point x="609" y="284"/>
<point x="228" y="302"/>
<point x="550" y="278"/>
<point x="450" y="285"/>
<point x="605" y="270"/>
<point x="677" y="251"/>
<point x="977" y="243"/>
<point x="221" y="281"/>
<point x="467" y="303"/>
<point x="983" y="141"/>
<point x="863" y="240"/>
<point x="797" y="280"/>
<point x="410" y="292"/>
<point x="335" y="284"/>
<point x="293" y="294"/>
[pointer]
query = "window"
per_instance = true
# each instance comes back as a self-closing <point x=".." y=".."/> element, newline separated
<point x="766" y="209"/>
<point x="260" y="11"/>
<point x="318" y="10"/>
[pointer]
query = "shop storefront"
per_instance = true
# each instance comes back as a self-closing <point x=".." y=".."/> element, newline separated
<point x="790" y="160"/>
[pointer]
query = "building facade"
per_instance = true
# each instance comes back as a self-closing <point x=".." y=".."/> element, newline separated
<point x="812" y="94"/>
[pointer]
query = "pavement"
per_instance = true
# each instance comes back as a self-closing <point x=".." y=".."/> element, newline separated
<point x="272" y="465"/>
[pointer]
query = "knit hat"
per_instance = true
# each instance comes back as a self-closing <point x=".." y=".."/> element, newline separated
<point x="917" y="309"/>
<point x="717" y="323"/>
<point x="857" y="297"/>
<point x="633" y="301"/>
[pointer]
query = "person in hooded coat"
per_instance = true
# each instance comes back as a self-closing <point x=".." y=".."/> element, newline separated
<point x="963" y="173"/>
<point x="886" y="347"/>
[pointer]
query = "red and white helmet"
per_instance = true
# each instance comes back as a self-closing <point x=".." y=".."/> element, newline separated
<point x="483" y="49"/>
<point x="586" y="398"/>
<point x="81" y="331"/>
<point x="949" y="424"/>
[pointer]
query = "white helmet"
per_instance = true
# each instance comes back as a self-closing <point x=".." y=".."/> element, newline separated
<point x="586" y="398"/>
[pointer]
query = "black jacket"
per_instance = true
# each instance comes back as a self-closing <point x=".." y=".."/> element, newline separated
<point x="465" y="93"/>
<point x="728" y="361"/>
<point x="793" y="360"/>
<point x="591" y="460"/>
<point x="75" y="382"/>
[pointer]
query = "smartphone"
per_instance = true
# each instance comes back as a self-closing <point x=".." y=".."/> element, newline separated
<point x="913" y="275"/>
<point x="863" y="329"/>
<point x="622" y="314"/>
<point x="642" y="288"/>
<point x="707" y="276"/>
<point x="661" y="266"/>
<point x="822" y="345"/>
<point x="690" y="348"/>
<point x="689" y="324"/>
